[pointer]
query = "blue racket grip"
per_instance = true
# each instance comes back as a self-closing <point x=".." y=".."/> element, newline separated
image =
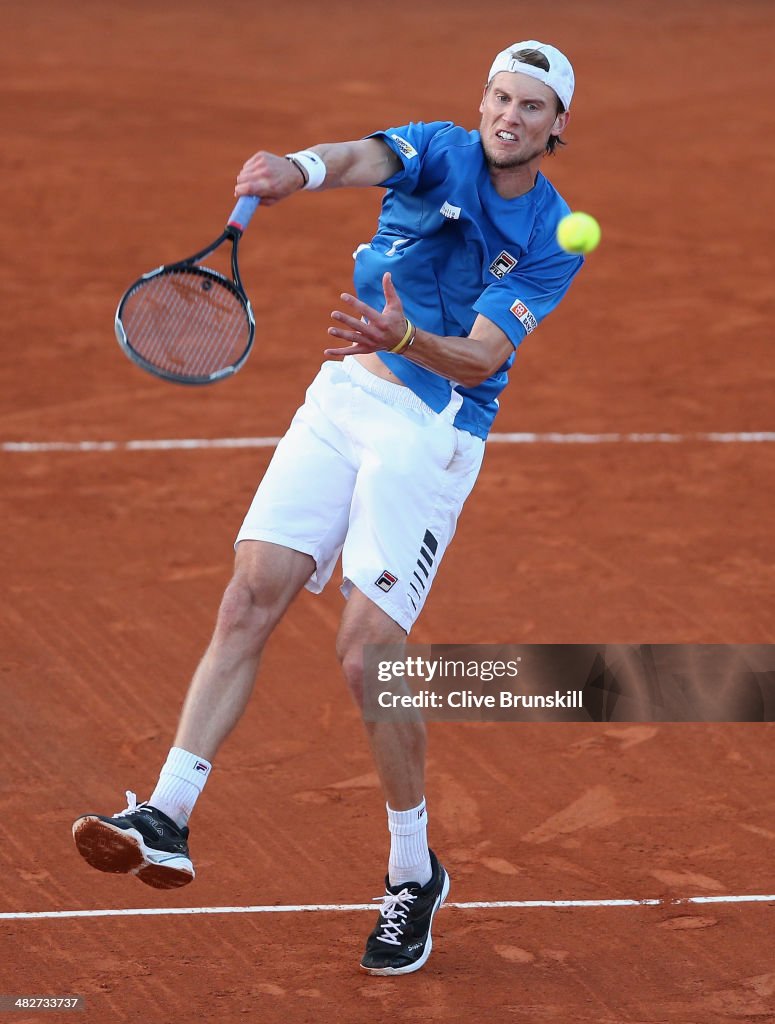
<point x="243" y="212"/>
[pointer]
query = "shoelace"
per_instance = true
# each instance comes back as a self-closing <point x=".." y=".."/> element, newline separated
<point x="394" y="909"/>
<point x="131" y="800"/>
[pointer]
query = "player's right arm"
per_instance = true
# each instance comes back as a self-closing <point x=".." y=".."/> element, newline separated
<point x="348" y="165"/>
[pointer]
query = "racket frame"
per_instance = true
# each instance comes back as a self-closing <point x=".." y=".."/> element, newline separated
<point x="232" y="232"/>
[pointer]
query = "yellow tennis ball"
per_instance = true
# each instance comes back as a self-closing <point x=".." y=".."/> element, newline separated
<point x="578" y="232"/>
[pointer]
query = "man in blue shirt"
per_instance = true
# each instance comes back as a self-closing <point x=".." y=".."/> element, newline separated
<point x="379" y="460"/>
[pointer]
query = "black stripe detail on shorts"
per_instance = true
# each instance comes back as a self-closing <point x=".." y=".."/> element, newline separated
<point x="430" y="542"/>
<point x="427" y="556"/>
<point x="419" y="580"/>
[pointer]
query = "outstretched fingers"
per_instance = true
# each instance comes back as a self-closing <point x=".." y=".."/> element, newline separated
<point x="367" y="329"/>
<point x="391" y="295"/>
<point x="362" y="308"/>
<point x="356" y="348"/>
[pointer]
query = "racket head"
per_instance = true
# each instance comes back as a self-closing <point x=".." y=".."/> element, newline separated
<point x="186" y="323"/>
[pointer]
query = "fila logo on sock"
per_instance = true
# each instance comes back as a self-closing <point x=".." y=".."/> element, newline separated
<point x="386" y="581"/>
<point x="200" y="767"/>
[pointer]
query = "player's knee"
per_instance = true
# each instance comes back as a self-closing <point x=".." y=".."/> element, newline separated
<point x="243" y="614"/>
<point x="351" y="661"/>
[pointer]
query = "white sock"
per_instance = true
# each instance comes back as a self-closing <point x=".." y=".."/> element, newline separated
<point x="181" y="781"/>
<point x="409" y="857"/>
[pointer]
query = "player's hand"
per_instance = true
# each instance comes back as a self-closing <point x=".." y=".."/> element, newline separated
<point x="374" y="331"/>
<point x="270" y="176"/>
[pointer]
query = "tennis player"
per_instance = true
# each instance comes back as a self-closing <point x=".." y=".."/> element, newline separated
<point x="380" y="458"/>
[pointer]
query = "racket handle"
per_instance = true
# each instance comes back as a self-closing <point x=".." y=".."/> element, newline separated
<point x="242" y="213"/>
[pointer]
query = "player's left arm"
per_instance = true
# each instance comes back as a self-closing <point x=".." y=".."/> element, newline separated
<point x="469" y="361"/>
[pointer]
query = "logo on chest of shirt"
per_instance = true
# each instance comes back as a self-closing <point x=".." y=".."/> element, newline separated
<point x="523" y="314"/>
<point x="503" y="264"/>
<point x="450" y="212"/>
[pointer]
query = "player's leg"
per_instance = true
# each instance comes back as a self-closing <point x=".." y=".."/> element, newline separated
<point x="150" y="840"/>
<point x="291" y="537"/>
<point x="417" y="884"/>
<point x="407" y="498"/>
<point x="266" y="579"/>
<point x="397" y="742"/>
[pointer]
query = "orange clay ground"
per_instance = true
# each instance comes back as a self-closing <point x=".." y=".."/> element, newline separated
<point x="123" y="127"/>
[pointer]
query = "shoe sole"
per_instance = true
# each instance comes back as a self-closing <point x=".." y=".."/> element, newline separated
<point x="411" y="968"/>
<point x="121" y="851"/>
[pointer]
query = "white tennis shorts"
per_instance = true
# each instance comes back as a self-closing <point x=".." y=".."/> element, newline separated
<point x="367" y="470"/>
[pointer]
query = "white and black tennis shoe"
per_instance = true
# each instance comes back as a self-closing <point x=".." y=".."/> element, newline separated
<point x="138" y="841"/>
<point x="401" y="941"/>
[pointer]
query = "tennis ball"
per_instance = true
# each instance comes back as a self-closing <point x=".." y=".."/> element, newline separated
<point x="578" y="232"/>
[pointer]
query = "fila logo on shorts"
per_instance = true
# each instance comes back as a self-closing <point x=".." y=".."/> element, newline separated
<point x="503" y="264"/>
<point x="525" y="317"/>
<point x="406" y="147"/>
<point x="386" y="581"/>
<point x="450" y="212"/>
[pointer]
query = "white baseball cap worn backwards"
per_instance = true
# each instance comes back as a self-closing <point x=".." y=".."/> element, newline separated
<point x="553" y="68"/>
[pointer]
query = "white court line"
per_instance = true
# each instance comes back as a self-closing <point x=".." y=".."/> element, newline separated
<point x="201" y="443"/>
<point x="307" y="907"/>
<point x="169" y="444"/>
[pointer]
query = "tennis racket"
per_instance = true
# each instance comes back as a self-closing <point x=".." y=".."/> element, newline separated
<point x="188" y="323"/>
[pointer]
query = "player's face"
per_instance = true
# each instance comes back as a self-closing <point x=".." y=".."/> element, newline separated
<point x="519" y="114"/>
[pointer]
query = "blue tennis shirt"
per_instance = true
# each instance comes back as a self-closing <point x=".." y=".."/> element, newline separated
<point x="455" y="248"/>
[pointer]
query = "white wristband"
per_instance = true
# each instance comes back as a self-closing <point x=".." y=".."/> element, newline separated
<point x="314" y="168"/>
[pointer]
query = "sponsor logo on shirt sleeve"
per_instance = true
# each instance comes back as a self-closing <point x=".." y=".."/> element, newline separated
<point x="525" y="317"/>
<point x="406" y="147"/>
<point x="450" y="212"/>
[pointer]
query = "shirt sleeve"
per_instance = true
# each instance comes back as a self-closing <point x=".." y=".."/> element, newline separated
<point x="522" y="299"/>
<point x="410" y="143"/>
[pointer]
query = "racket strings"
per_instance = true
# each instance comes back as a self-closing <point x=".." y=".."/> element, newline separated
<point x="186" y="322"/>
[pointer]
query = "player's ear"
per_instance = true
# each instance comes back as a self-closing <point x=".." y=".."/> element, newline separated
<point x="484" y="97"/>
<point x="560" y="123"/>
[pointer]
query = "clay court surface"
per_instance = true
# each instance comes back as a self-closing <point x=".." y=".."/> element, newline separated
<point x="123" y="127"/>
